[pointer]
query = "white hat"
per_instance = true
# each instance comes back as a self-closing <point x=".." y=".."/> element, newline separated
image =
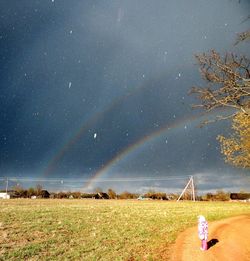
<point x="201" y="218"/>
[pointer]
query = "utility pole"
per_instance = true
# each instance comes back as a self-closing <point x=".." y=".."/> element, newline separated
<point x="189" y="185"/>
<point x="7" y="183"/>
<point x="192" y="186"/>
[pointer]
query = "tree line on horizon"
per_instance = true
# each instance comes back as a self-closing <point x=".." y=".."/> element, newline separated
<point x="39" y="192"/>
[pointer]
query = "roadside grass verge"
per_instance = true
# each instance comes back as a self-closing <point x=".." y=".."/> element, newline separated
<point x="100" y="229"/>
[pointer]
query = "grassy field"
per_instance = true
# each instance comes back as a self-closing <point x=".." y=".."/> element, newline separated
<point x="99" y="229"/>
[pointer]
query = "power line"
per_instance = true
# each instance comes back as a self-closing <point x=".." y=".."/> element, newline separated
<point x="72" y="180"/>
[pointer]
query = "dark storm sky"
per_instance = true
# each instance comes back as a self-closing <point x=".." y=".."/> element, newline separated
<point x="83" y="83"/>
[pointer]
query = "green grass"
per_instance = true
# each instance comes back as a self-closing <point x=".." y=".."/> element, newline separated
<point x="99" y="229"/>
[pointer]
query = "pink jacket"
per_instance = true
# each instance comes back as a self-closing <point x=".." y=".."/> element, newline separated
<point x="203" y="230"/>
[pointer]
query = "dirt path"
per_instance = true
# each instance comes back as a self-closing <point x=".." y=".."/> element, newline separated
<point x="230" y="242"/>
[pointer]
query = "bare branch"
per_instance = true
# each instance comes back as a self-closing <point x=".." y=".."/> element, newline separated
<point x="242" y="36"/>
<point x="218" y="118"/>
<point x="248" y="17"/>
<point x="228" y="79"/>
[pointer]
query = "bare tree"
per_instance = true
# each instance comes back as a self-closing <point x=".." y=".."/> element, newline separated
<point x="228" y="86"/>
<point x="111" y="193"/>
<point x="228" y="82"/>
<point x="38" y="189"/>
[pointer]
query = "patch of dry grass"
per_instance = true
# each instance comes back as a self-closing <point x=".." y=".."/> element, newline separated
<point x="99" y="229"/>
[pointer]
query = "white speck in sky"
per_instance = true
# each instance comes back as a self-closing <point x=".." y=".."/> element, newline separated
<point x="205" y="37"/>
<point x="185" y="127"/>
<point x="70" y="31"/>
<point x="225" y="24"/>
<point x="179" y="74"/>
<point x="95" y="135"/>
<point x="70" y="83"/>
<point x="143" y="76"/>
<point x="166" y="141"/>
<point x="52" y="1"/>
<point x="165" y="56"/>
<point x="120" y="15"/>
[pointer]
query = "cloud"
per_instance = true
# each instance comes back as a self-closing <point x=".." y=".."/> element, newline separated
<point x="75" y="60"/>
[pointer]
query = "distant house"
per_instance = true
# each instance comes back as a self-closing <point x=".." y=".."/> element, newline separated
<point x="45" y="194"/>
<point x="240" y="196"/>
<point x="101" y="195"/>
<point x="4" y="195"/>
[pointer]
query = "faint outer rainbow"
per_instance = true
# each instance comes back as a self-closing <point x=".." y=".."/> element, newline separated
<point x="54" y="161"/>
<point x="84" y="127"/>
<point x="132" y="147"/>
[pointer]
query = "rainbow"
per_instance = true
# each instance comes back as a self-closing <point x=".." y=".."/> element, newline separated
<point x="85" y="127"/>
<point x="139" y="144"/>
